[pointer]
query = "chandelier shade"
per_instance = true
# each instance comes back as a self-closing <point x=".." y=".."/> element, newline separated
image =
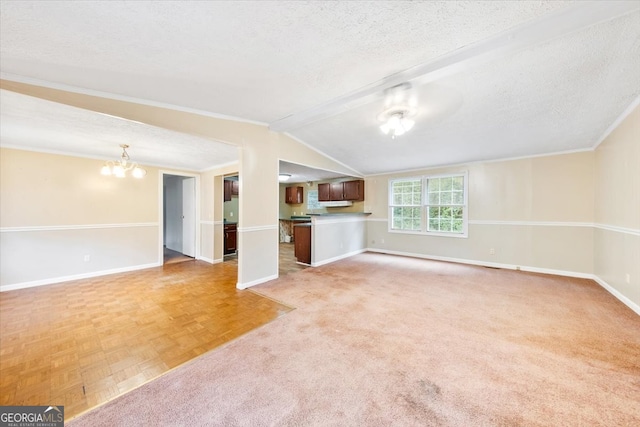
<point x="119" y="168"/>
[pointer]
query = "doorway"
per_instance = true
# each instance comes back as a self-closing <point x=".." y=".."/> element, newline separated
<point x="231" y="208"/>
<point x="179" y="218"/>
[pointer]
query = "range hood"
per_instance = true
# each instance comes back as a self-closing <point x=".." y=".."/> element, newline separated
<point x="337" y="204"/>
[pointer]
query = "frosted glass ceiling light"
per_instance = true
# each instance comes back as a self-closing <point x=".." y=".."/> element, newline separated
<point x="396" y="121"/>
<point x="400" y="104"/>
<point x="283" y="177"/>
<point x="120" y="168"/>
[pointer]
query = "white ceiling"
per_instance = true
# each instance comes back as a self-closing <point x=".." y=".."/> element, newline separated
<point x="492" y="79"/>
<point x="52" y="127"/>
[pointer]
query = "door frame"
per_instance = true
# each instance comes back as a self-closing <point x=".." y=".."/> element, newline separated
<point x="161" y="174"/>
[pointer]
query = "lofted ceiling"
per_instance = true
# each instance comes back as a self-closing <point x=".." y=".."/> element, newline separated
<point x="490" y="80"/>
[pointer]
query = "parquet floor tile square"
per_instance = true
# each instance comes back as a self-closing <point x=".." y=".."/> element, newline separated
<point x="83" y="343"/>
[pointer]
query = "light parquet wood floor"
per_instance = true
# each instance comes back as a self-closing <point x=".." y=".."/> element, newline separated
<point x="82" y="343"/>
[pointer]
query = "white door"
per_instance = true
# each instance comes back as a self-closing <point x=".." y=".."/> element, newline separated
<point x="189" y="217"/>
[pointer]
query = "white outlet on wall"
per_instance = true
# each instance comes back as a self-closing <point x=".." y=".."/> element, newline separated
<point x="492" y="251"/>
<point x="628" y="278"/>
<point x="87" y="258"/>
<point x="381" y="240"/>
<point x="230" y="213"/>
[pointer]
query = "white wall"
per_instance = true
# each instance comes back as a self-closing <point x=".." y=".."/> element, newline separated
<point x="617" y="211"/>
<point x="534" y="213"/>
<point x="334" y="238"/>
<point x="207" y="224"/>
<point x="61" y="220"/>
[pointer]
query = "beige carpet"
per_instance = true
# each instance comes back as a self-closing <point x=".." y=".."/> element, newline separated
<point x="383" y="340"/>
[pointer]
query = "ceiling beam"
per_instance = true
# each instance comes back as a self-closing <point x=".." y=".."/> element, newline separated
<point x="560" y="23"/>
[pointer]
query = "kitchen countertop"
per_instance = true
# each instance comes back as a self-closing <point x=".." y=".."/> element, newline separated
<point x="339" y="214"/>
<point x="297" y="218"/>
<point x="307" y="217"/>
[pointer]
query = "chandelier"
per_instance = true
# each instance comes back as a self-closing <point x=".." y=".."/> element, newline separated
<point x="120" y="167"/>
<point x="396" y="120"/>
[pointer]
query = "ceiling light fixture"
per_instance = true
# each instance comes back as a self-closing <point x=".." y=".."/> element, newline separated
<point x="284" y="177"/>
<point x="396" y="120"/>
<point x="120" y="168"/>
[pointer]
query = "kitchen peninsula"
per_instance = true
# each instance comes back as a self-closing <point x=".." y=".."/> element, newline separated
<point x="330" y="237"/>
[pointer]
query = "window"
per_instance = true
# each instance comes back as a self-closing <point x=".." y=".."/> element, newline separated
<point x="406" y="204"/>
<point x="312" y="200"/>
<point x="429" y="204"/>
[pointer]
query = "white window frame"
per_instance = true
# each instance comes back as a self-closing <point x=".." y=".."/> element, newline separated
<point x="425" y="206"/>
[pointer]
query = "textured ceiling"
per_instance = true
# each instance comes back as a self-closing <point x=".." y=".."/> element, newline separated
<point x="52" y="127"/>
<point x="558" y="96"/>
<point x="270" y="60"/>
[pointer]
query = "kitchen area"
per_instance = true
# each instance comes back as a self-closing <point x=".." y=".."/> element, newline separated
<point x="321" y="217"/>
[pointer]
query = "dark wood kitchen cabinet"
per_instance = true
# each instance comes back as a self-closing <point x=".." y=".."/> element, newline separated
<point x="227" y="190"/>
<point x="302" y="243"/>
<point x="324" y="192"/>
<point x="346" y="190"/>
<point x="354" y="190"/>
<point x="294" y="195"/>
<point x="230" y="238"/>
<point x="231" y="188"/>
<point x="337" y="191"/>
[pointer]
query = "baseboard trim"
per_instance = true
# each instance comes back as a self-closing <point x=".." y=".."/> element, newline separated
<point x="54" y="280"/>
<point x="255" y="282"/>
<point x="613" y="291"/>
<point x="337" y="258"/>
<point x="209" y="260"/>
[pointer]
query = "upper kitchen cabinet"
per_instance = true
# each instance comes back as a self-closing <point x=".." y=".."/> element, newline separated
<point x="337" y="191"/>
<point x="324" y="192"/>
<point x="354" y="190"/>
<point x="294" y="195"/>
